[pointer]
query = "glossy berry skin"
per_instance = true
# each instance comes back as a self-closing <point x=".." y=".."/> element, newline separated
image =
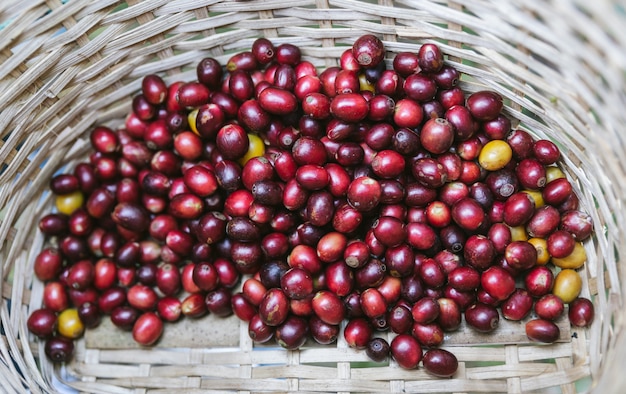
<point x="429" y="172"/>
<point x="430" y="58"/>
<point x="499" y="283"/>
<point x="297" y="283"/>
<point x="440" y="362"/>
<point x="546" y="152"/>
<point x="328" y="307"/>
<point x="349" y="107"/>
<point x="581" y="312"/>
<point x="550" y="307"/>
<point x="495" y="155"/>
<point x="147" y="329"/>
<point x="273" y="308"/>
<point x="42" y="323"/>
<point x="406" y="350"/>
<point x="517" y="306"/>
<point x="48" y="264"/>
<point x="358" y="332"/>
<point x="484" y="105"/>
<point x="540" y="330"/>
<point x="368" y="51"/>
<point x="468" y="214"/>
<point x="437" y="135"/>
<point x="482" y="317"/>
<point x="364" y="193"/>
<point x="378" y="349"/>
<point x="59" y="349"/>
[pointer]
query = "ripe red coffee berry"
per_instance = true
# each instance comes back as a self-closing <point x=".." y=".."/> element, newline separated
<point x="192" y="94"/>
<point x="358" y="332"/>
<point x="549" y="307"/>
<point x="541" y="330"/>
<point x="482" y="317"/>
<point x="364" y="193"/>
<point x="498" y="283"/>
<point x="408" y="113"/>
<point x="200" y="181"/>
<point x="531" y="174"/>
<point x="48" y="264"/>
<point x="437" y="135"/>
<point x="518" y="209"/>
<point x="581" y="312"/>
<point x="468" y="214"/>
<point x="546" y="152"/>
<point x="42" y="322"/>
<point x="297" y="283"/>
<point x="368" y="50"/>
<point x="578" y="223"/>
<point x="278" y="101"/>
<point x="517" y="306"/>
<point x="328" y="307"/>
<point x="406" y="350"/>
<point x="154" y="89"/>
<point x="430" y="58"/>
<point x="560" y="244"/>
<point x="539" y="281"/>
<point x="520" y="255"/>
<point x="429" y="172"/>
<point x="485" y="105"/>
<point x="388" y="164"/>
<point x="440" y="362"/>
<point x="557" y="191"/>
<point x="349" y="107"/>
<point x="263" y="50"/>
<point x="232" y="140"/>
<point x="390" y="231"/>
<point x="147" y="329"/>
<point x="209" y="72"/>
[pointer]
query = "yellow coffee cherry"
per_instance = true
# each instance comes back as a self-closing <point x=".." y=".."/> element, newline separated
<point x="365" y="85"/>
<point x="536" y="196"/>
<point x="541" y="246"/>
<point x="518" y="233"/>
<point x="567" y="285"/>
<point x="495" y="155"/>
<point x="256" y="148"/>
<point x="552" y="173"/>
<point x="191" y="119"/>
<point x="68" y="203"/>
<point x="69" y="324"/>
<point x="574" y="260"/>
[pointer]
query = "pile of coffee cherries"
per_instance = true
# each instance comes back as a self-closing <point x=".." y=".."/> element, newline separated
<point x="377" y="195"/>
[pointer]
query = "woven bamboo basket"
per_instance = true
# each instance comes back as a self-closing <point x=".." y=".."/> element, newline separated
<point x="66" y="66"/>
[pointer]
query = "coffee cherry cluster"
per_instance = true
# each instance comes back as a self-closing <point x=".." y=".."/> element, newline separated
<point x="375" y="194"/>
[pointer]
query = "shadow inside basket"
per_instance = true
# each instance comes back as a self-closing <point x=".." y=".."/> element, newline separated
<point x="212" y="331"/>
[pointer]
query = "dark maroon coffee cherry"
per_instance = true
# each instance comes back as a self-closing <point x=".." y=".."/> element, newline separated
<point x="437" y="135"/>
<point x="368" y="50"/>
<point x="430" y="58"/>
<point x="377" y="349"/>
<point x="485" y="105"/>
